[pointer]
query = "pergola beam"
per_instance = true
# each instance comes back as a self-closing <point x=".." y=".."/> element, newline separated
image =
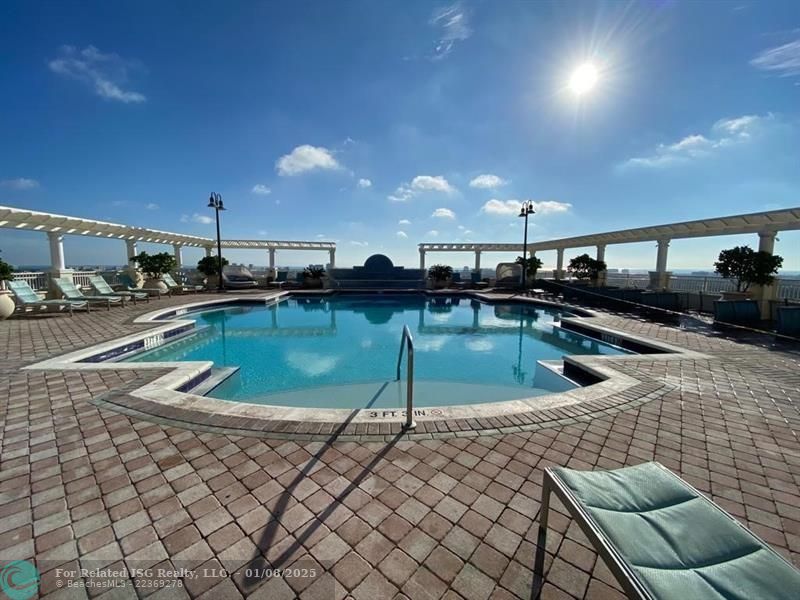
<point x="29" y="220"/>
<point x="775" y="220"/>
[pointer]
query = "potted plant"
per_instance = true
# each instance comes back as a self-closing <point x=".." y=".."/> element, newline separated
<point x="747" y="267"/>
<point x="312" y="276"/>
<point x="6" y="303"/>
<point x="585" y="267"/>
<point x="209" y="267"/>
<point x="440" y="275"/>
<point x="534" y="264"/>
<point x="154" y="266"/>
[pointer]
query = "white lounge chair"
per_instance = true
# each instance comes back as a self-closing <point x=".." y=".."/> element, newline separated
<point x="71" y="292"/>
<point x="27" y="298"/>
<point x="102" y="288"/>
<point x="130" y="285"/>
<point x="177" y="287"/>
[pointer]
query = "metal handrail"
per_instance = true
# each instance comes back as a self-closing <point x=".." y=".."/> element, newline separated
<point x="408" y="341"/>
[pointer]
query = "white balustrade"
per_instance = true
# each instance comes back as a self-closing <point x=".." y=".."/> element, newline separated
<point x="36" y="279"/>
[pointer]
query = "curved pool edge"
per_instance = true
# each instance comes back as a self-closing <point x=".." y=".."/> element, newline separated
<point x="161" y="400"/>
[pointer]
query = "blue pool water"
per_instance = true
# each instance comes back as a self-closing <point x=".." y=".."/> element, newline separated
<point x="340" y="351"/>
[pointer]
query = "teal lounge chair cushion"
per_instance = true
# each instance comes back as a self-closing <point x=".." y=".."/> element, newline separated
<point x="678" y="543"/>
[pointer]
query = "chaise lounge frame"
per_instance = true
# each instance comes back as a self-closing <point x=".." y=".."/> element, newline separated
<point x="633" y="587"/>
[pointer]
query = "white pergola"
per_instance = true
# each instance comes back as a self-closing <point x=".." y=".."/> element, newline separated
<point x="57" y="226"/>
<point x="273" y="245"/>
<point x="765" y="224"/>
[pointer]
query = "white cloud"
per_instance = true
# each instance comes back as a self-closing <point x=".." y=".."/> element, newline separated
<point x="432" y="233"/>
<point x="20" y="184"/>
<point x="551" y="207"/>
<point x="261" y="189"/>
<point x="783" y="60"/>
<point x="197" y="218"/>
<point x="306" y="158"/>
<point x="741" y="126"/>
<point x="723" y="133"/>
<point x="487" y="181"/>
<point x="452" y="24"/>
<point x="479" y="345"/>
<point x="401" y="194"/>
<point x="152" y="206"/>
<point x="404" y="222"/>
<point x="511" y="208"/>
<point x="431" y="344"/>
<point x="443" y="213"/>
<point x="421" y="184"/>
<point x="312" y="364"/>
<point x="104" y="73"/>
<point x="357" y="243"/>
<point x="431" y="183"/>
<point x="402" y="234"/>
<point x="364" y="183"/>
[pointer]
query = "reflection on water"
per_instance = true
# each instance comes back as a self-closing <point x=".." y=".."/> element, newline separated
<point x="311" y="364"/>
<point x="354" y="339"/>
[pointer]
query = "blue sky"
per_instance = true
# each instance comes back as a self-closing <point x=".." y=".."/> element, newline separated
<point x="384" y="124"/>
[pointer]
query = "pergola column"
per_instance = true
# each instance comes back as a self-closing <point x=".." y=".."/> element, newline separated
<point x="178" y="256"/>
<point x="763" y="294"/>
<point x="422" y="259"/>
<point x="766" y="241"/>
<point x="601" y="255"/>
<point x="130" y="251"/>
<point x="332" y="261"/>
<point x="659" y="279"/>
<point x="559" y="274"/>
<point x="478" y="261"/>
<point x="57" y="264"/>
<point x="56" y="251"/>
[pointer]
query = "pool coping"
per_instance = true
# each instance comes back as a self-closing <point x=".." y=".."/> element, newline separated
<point x="166" y="400"/>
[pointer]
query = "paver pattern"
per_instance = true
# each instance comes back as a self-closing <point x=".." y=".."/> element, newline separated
<point x="453" y="517"/>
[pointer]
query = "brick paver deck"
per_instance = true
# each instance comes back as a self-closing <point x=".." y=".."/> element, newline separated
<point x="82" y="486"/>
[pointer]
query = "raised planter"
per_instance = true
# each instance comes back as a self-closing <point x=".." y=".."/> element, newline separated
<point x="736" y="295"/>
<point x="156" y="283"/>
<point x="789" y="320"/>
<point x="736" y="311"/>
<point x="313" y="283"/>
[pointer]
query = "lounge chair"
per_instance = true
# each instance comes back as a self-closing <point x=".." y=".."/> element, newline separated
<point x="102" y="288"/>
<point x="661" y="538"/>
<point x="280" y="280"/>
<point x="27" y="298"/>
<point x="177" y="287"/>
<point x="71" y="292"/>
<point x="130" y="286"/>
<point x="475" y="280"/>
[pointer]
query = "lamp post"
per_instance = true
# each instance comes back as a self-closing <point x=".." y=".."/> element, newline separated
<point x="524" y="211"/>
<point x="215" y="202"/>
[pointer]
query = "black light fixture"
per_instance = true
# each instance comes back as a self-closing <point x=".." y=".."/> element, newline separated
<point x="215" y="202"/>
<point x="525" y="210"/>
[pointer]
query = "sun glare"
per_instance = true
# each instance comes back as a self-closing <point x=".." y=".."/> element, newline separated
<point x="583" y="79"/>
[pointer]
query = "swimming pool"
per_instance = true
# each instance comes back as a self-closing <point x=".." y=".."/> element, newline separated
<point x="341" y="351"/>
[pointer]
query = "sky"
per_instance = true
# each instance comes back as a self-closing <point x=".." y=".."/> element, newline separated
<point x="380" y="125"/>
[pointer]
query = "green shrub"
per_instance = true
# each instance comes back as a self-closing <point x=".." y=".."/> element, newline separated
<point x="155" y="265"/>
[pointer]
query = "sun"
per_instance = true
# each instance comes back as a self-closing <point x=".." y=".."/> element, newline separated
<point x="583" y="79"/>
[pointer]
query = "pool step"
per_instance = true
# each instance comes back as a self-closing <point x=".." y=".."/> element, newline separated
<point x="391" y="394"/>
